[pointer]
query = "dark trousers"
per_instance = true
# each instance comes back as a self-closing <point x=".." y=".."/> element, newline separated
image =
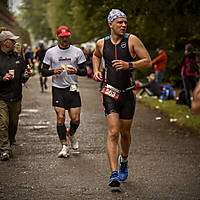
<point x="189" y="83"/>
<point x="159" y="77"/>
<point x="9" y="117"/>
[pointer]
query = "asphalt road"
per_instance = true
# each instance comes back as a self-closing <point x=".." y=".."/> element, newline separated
<point x="164" y="161"/>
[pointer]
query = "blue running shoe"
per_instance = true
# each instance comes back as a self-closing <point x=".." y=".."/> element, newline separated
<point x="123" y="169"/>
<point x="4" y="157"/>
<point x="114" y="180"/>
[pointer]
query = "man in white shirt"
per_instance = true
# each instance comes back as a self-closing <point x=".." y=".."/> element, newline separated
<point x="67" y="62"/>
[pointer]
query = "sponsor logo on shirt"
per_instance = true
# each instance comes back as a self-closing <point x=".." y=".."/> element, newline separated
<point x="64" y="59"/>
<point x="123" y="45"/>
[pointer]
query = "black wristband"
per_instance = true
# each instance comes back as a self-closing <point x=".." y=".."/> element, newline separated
<point x="130" y="65"/>
<point x="81" y="72"/>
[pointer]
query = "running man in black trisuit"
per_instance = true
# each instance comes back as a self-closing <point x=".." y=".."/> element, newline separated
<point x="118" y="51"/>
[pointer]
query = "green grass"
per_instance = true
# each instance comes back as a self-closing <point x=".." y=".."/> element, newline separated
<point x="184" y="116"/>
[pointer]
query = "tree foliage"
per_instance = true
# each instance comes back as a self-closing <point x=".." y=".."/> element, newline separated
<point x="59" y="13"/>
<point x="167" y="23"/>
<point x="33" y="16"/>
<point x="4" y="3"/>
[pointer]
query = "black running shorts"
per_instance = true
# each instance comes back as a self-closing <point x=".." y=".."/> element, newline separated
<point x="63" y="98"/>
<point x="124" y="106"/>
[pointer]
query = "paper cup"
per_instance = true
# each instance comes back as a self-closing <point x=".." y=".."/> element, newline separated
<point x="12" y="71"/>
<point x="63" y="66"/>
<point x="69" y="66"/>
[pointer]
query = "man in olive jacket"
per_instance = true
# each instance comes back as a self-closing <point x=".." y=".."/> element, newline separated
<point x="13" y="73"/>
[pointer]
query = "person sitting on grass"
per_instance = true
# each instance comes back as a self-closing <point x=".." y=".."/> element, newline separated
<point x="152" y="88"/>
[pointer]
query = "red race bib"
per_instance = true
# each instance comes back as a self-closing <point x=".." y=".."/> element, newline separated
<point x="111" y="92"/>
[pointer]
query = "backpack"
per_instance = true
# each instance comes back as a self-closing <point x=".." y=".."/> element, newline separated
<point x="192" y="66"/>
<point x="181" y="99"/>
<point x="167" y="93"/>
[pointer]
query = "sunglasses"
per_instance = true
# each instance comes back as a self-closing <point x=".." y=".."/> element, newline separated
<point x="13" y="41"/>
<point x="62" y="37"/>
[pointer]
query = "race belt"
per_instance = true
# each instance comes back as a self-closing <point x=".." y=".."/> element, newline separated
<point x="113" y="92"/>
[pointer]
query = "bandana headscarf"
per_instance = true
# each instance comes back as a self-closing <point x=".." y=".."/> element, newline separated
<point x="114" y="14"/>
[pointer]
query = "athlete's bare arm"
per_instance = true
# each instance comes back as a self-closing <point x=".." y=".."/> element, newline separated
<point x="196" y="99"/>
<point x="96" y="60"/>
<point x="136" y="47"/>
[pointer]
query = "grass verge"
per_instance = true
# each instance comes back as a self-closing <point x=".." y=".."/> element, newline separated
<point x="179" y="114"/>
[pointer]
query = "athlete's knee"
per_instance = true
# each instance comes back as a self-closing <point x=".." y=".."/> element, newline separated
<point x="76" y="120"/>
<point x="60" y="118"/>
<point x="125" y="132"/>
<point x="125" y="135"/>
<point x="113" y="133"/>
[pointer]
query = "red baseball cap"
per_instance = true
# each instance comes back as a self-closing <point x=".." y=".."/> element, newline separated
<point x="63" y="31"/>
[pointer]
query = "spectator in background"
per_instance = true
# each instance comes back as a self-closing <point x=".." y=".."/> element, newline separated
<point x="39" y="57"/>
<point x="160" y="65"/>
<point x="189" y="78"/>
<point x="18" y="49"/>
<point x="27" y="56"/>
<point x="12" y="74"/>
<point x="30" y="51"/>
<point x="196" y="99"/>
<point x="88" y="55"/>
<point x="89" y="61"/>
<point x="152" y="88"/>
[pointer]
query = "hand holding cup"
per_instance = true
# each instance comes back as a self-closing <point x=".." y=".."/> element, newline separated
<point x="60" y="69"/>
<point x="71" y="69"/>
<point x="27" y="73"/>
<point x="7" y="77"/>
<point x="63" y="66"/>
<point x="12" y="72"/>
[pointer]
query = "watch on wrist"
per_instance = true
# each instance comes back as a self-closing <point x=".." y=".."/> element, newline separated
<point x="130" y="65"/>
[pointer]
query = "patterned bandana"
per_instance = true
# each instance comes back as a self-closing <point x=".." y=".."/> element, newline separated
<point x="114" y="14"/>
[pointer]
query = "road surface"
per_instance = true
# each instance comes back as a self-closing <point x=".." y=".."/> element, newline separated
<point x="164" y="161"/>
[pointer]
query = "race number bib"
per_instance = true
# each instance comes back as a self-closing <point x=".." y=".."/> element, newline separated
<point x="111" y="92"/>
<point x="74" y="88"/>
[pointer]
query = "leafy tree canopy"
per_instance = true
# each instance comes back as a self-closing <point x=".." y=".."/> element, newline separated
<point x="167" y="23"/>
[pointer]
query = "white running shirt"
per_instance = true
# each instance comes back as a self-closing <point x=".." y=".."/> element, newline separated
<point x="56" y="56"/>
